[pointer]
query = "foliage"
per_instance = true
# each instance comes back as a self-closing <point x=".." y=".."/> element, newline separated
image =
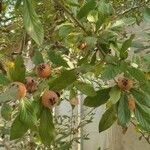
<point x="88" y="46"/>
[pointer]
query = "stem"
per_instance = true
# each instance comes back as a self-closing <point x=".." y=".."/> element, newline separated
<point x="71" y="15"/>
<point x="146" y="138"/>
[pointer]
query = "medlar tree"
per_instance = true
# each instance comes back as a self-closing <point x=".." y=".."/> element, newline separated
<point x="52" y="47"/>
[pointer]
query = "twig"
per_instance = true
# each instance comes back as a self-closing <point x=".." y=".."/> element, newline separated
<point x="71" y="15"/>
<point x="146" y="138"/>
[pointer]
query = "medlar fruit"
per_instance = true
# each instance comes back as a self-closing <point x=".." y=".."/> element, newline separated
<point x="49" y="99"/>
<point x="44" y="70"/>
<point x="125" y="84"/>
<point x="31" y="84"/>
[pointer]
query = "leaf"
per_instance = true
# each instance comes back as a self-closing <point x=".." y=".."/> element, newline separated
<point x="27" y="115"/>
<point x="141" y="97"/>
<point x="140" y="76"/>
<point x="142" y="114"/>
<point x="32" y="23"/>
<point x="85" y="88"/>
<point x="37" y="58"/>
<point x="147" y="15"/>
<point x="9" y="94"/>
<point x="115" y="94"/>
<point x="108" y="118"/>
<point x="46" y="128"/>
<point x="66" y="78"/>
<point x="65" y="30"/>
<point x="6" y="111"/>
<point x="18" y="129"/>
<point x="105" y="8"/>
<point x="124" y="114"/>
<point x="127" y="43"/>
<point x="17" y="73"/>
<point x="56" y="58"/>
<point x="4" y="80"/>
<point x="95" y="101"/>
<point x="85" y="9"/>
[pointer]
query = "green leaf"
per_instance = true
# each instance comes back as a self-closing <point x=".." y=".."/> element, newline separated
<point x="4" y="80"/>
<point x="105" y="8"/>
<point x="66" y="78"/>
<point x="124" y="115"/>
<point x="18" y="72"/>
<point x="27" y="114"/>
<point x="127" y="43"/>
<point x="147" y="15"/>
<point x="32" y="23"/>
<point x="85" y="88"/>
<point x="108" y="118"/>
<point x="65" y="30"/>
<point x="95" y="101"/>
<point x="142" y="114"/>
<point x="6" y="111"/>
<point x="140" y="76"/>
<point x="85" y="9"/>
<point x="141" y="97"/>
<point x="18" y="129"/>
<point x="56" y="58"/>
<point x="46" y="129"/>
<point x="115" y="94"/>
<point x="9" y="94"/>
<point x="37" y="58"/>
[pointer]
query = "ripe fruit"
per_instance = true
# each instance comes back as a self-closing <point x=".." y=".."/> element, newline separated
<point x="125" y="84"/>
<point x="49" y="99"/>
<point x="82" y="45"/>
<point x="31" y="84"/>
<point x="131" y="103"/>
<point x="44" y="70"/>
<point x="21" y="89"/>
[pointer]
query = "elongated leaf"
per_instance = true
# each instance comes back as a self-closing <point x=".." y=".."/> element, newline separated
<point x="108" y="118"/>
<point x="141" y="77"/>
<point x="66" y="78"/>
<point x="147" y="14"/>
<point x="142" y="114"/>
<point x="115" y="94"/>
<point x="27" y="114"/>
<point x="18" y="129"/>
<point x="56" y="58"/>
<point x="17" y="73"/>
<point x="46" y="129"/>
<point x="9" y="94"/>
<point x="141" y="97"/>
<point x="37" y="58"/>
<point x="6" y="111"/>
<point x="127" y="43"/>
<point x="32" y="23"/>
<point x="4" y="80"/>
<point x="95" y="101"/>
<point x="83" y="12"/>
<point x="123" y="111"/>
<point x="85" y="88"/>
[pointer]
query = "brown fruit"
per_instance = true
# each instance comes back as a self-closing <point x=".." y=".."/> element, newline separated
<point x="31" y="84"/>
<point x="131" y="103"/>
<point x="125" y="84"/>
<point x="44" y="70"/>
<point x="82" y="45"/>
<point x="49" y="99"/>
<point x="21" y="89"/>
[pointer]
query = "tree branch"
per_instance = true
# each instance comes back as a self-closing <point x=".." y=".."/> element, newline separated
<point x="71" y="15"/>
<point x="146" y="138"/>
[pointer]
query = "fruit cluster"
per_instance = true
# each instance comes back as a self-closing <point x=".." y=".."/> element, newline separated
<point x="49" y="98"/>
